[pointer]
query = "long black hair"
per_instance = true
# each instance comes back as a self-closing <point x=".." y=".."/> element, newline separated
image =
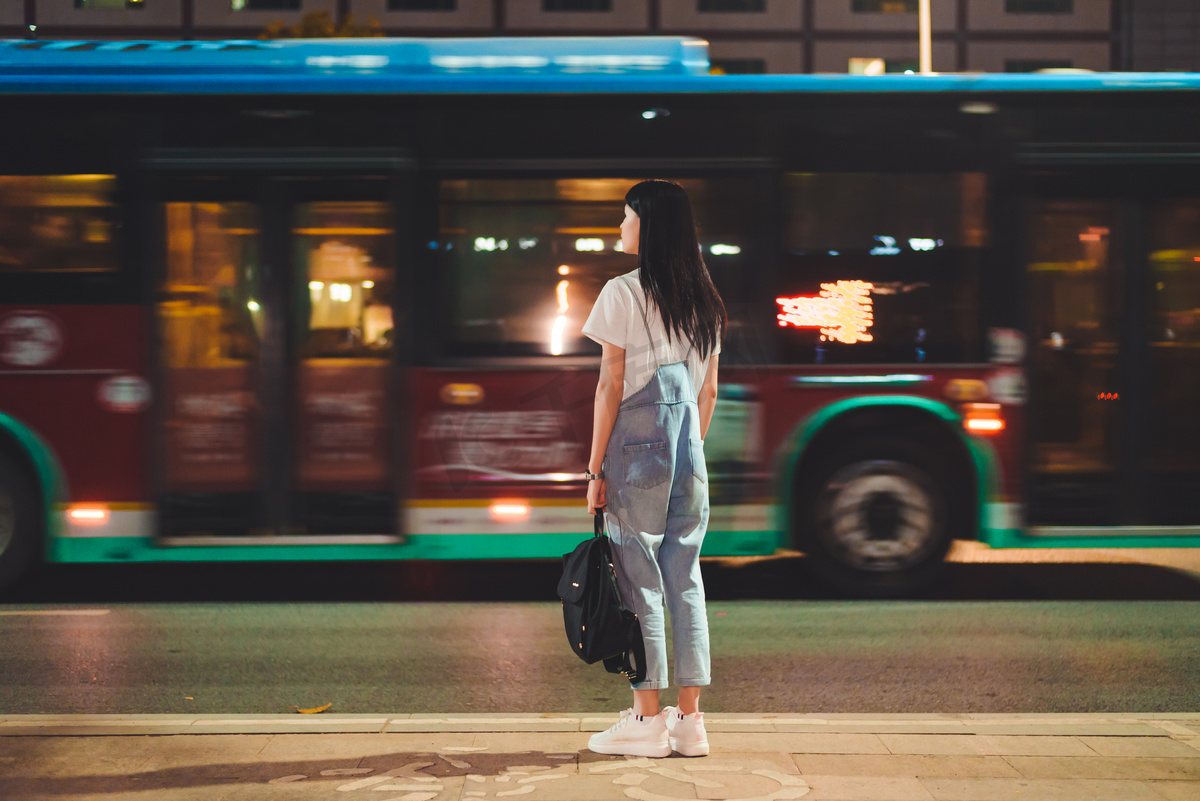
<point x="672" y="271"/>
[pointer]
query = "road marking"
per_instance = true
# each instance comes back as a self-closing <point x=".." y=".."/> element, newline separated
<point x="54" y="612"/>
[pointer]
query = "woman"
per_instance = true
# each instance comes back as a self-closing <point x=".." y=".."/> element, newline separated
<point x="660" y="327"/>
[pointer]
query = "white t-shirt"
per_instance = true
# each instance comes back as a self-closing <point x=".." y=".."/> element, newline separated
<point x="615" y="319"/>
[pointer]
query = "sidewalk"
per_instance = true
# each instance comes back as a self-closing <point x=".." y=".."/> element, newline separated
<point x="755" y="757"/>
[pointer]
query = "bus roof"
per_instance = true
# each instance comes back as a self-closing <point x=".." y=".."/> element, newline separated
<point x="637" y="64"/>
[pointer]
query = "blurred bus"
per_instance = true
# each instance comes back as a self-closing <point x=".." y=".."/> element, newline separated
<point x="321" y="300"/>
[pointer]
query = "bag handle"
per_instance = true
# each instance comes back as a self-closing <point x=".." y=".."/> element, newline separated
<point x="599" y="521"/>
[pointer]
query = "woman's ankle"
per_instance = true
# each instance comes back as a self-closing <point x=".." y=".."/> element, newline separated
<point x="689" y="700"/>
<point x="645" y="703"/>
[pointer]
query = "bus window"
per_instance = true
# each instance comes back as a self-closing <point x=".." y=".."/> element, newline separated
<point x="209" y="318"/>
<point x="881" y="268"/>
<point x="527" y="258"/>
<point x="1174" y="333"/>
<point x="1074" y="306"/>
<point x="56" y="223"/>
<point x="344" y="279"/>
<point x="344" y="250"/>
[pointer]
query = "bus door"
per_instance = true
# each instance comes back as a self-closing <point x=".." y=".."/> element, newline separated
<point x="275" y="306"/>
<point x="1113" y="302"/>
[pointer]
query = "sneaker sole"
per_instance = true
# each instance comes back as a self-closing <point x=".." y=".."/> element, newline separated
<point x="693" y="750"/>
<point x="634" y="749"/>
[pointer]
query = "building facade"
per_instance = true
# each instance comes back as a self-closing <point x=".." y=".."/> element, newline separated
<point x="775" y="36"/>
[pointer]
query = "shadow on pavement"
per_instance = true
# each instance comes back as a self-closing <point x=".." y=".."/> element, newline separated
<point x="773" y="578"/>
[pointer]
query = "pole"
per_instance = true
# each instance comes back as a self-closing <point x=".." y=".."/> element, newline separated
<point x="926" y="37"/>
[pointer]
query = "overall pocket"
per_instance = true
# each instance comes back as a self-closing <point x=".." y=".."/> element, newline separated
<point x="699" y="468"/>
<point x="646" y="466"/>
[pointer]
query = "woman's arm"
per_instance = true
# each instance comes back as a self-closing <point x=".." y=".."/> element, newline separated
<point x="708" y="396"/>
<point x="609" y="390"/>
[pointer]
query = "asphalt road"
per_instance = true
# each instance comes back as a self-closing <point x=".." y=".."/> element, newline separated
<point x="1041" y="635"/>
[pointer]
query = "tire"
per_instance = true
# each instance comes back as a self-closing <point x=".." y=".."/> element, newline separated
<point x="20" y="522"/>
<point x="875" y="519"/>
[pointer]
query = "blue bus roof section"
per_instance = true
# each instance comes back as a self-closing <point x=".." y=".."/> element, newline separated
<point x="521" y="56"/>
<point x="579" y="65"/>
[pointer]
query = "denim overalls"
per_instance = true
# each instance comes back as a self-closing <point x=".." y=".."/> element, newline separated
<point x="657" y="513"/>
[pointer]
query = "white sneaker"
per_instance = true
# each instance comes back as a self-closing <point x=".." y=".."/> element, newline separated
<point x="632" y="737"/>
<point x="686" y="732"/>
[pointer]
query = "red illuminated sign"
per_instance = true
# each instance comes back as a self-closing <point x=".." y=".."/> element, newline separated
<point x="842" y="311"/>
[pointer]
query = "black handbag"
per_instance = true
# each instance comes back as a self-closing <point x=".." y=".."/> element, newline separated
<point x="598" y="626"/>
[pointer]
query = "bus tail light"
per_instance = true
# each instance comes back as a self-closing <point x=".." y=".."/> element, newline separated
<point x="982" y="418"/>
<point x="90" y="515"/>
<point x="509" y="511"/>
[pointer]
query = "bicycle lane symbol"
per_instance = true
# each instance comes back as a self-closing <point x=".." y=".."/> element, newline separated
<point x="703" y="774"/>
<point x="640" y="779"/>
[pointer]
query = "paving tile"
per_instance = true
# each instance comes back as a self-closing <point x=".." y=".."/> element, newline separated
<point x="1107" y="767"/>
<point x="984" y="744"/>
<point x="906" y="765"/>
<point x="1101" y="729"/>
<point x="1177" y="791"/>
<point x="292" y="746"/>
<point x="328" y="788"/>
<point x="1138" y="746"/>
<point x="495" y="723"/>
<point x="1039" y="790"/>
<point x="859" y="788"/>
<point x="877" y="727"/>
<point x="801" y="743"/>
<point x="722" y="759"/>
<point x="546" y="742"/>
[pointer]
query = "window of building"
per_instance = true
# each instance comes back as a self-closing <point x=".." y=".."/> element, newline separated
<point x="1033" y="65"/>
<point x="1039" y="6"/>
<point x="524" y="260"/>
<point x="737" y="66"/>
<point x="87" y="4"/>
<point x="265" y="5"/>
<point x="57" y="223"/>
<point x="739" y="6"/>
<point x="884" y="6"/>
<point x="881" y="268"/>
<point x="422" y="5"/>
<point x="880" y="66"/>
<point x="576" y="5"/>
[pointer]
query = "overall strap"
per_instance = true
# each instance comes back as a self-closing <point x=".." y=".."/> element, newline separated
<point x="645" y="322"/>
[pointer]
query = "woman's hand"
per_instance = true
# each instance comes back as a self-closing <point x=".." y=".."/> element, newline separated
<point x="595" y="495"/>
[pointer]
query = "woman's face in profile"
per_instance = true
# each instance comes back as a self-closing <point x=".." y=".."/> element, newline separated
<point x="631" y="229"/>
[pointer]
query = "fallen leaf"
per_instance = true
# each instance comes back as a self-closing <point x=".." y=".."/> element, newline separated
<point x="314" y="710"/>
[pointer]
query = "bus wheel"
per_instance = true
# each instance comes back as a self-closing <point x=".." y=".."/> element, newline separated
<point x="18" y="522"/>
<point x="876" y="519"/>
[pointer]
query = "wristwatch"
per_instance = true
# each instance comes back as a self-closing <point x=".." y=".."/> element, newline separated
<point x="590" y="476"/>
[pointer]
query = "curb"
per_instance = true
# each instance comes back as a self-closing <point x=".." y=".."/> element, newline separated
<point x="1178" y="725"/>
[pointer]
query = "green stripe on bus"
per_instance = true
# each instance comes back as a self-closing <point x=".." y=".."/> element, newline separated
<point x="983" y="457"/>
<point x="1014" y="538"/>
<point x="418" y="546"/>
<point x="53" y="486"/>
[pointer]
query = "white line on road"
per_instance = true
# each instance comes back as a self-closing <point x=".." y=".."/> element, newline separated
<point x="53" y="612"/>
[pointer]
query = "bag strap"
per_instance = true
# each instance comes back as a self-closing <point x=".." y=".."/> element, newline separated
<point x="645" y="322"/>
<point x="599" y="520"/>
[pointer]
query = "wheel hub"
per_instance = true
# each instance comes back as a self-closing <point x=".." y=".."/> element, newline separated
<point x="880" y="519"/>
